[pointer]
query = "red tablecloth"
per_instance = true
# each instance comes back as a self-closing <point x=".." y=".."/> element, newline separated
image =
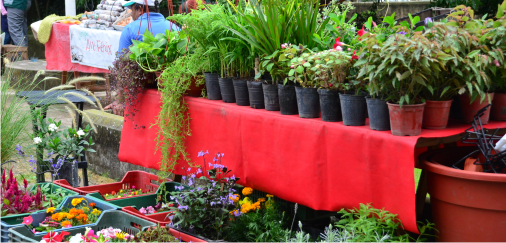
<point x="322" y="165"/>
<point x="58" y="52"/>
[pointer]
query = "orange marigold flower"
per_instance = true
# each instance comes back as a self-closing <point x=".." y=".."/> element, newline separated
<point x="93" y="204"/>
<point x="247" y="191"/>
<point x="65" y="223"/>
<point x="55" y="216"/>
<point x="70" y="216"/>
<point x="262" y="199"/>
<point x="83" y="218"/>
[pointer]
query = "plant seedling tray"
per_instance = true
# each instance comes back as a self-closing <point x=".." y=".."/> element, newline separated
<point x="139" y="179"/>
<point x="132" y="205"/>
<point x="116" y="219"/>
<point x="19" y="217"/>
<point x="38" y="217"/>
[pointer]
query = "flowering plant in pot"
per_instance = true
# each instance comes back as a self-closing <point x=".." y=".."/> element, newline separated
<point x="400" y="67"/>
<point x="331" y="68"/>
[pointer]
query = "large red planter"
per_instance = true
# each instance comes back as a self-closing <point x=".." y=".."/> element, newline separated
<point x="406" y="120"/>
<point x="469" y="109"/>
<point x="436" y="113"/>
<point x="498" y="110"/>
<point x="466" y="205"/>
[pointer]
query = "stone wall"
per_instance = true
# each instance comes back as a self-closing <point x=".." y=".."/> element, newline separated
<point x="107" y="140"/>
<point x="401" y="9"/>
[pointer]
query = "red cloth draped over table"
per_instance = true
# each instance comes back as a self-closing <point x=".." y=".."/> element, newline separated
<point x="322" y="165"/>
<point x="58" y="52"/>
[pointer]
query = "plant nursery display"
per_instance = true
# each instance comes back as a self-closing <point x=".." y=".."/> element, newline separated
<point x="18" y="199"/>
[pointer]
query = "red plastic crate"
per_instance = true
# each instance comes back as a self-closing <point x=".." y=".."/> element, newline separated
<point x="158" y="218"/>
<point x="185" y="237"/>
<point x="139" y="179"/>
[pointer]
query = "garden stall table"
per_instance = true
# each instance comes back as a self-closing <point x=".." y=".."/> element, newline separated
<point x="58" y="55"/>
<point x="44" y="100"/>
<point x="321" y="165"/>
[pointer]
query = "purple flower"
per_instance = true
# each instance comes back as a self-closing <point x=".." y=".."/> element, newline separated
<point x="151" y="210"/>
<point x="182" y="207"/>
<point x="192" y="176"/>
<point x="237" y="213"/>
<point x="199" y="188"/>
<point x="215" y="160"/>
<point x="20" y="150"/>
<point x="428" y="20"/>
<point x="402" y="33"/>
<point x="210" y="165"/>
<point x="201" y="153"/>
<point x="189" y="169"/>
<point x="184" y="177"/>
<point x="233" y="177"/>
<point x="199" y="171"/>
<point x="213" y="203"/>
<point x="190" y="183"/>
<point x="192" y="190"/>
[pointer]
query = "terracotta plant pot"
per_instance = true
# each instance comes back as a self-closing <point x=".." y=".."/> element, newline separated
<point x="466" y="205"/>
<point x="194" y="90"/>
<point x="498" y="110"/>
<point x="469" y="109"/>
<point x="436" y="113"/>
<point x="406" y="120"/>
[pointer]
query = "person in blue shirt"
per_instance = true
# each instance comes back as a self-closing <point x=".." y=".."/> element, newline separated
<point x="158" y="24"/>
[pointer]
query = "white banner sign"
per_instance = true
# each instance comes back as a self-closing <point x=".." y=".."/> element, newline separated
<point x="94" y="48"/>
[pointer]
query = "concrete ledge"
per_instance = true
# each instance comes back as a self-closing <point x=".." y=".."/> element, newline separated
<point x="107" y="139"/>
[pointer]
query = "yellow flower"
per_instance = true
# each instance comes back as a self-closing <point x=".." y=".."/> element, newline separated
<point x="121" y="191"/>
<point x="65" y="223"/>
<point x="262" y="199"/>
<point x="76" y="201"/>
<point x="106" y="195"/>
<point x="50" y="210"/>
<point x="235" y="197"/>
<point x="119" y="196"/>
<point x="96" y="212"/>
<point x="70" y="216"/>
<point x="269" y="195"/>
<point x="120" y="235"/>
<point x="245" y="200"/>
<point x="247" y="191"/>
<point x="86" y="209"/>
<point x="136" y="193"/>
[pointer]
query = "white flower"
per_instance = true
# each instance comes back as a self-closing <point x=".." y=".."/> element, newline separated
<point x="80" y="133"/>
<point x="76" y="239"/>
<point x="37" y="140"/>
<point x="52" y="127"/>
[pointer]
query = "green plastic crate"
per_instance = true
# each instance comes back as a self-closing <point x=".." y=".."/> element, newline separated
<point x="18" y="218"/>
<point x="136" y="202"/>
<point x="116" y="219"/>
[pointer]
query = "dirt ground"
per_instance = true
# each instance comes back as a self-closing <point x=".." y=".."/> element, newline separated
<point x="22" y="168"/>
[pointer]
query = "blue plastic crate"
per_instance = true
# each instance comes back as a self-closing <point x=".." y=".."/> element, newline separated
<point x="40" y="216"/>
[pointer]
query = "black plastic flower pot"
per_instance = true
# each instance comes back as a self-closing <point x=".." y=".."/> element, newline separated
<point x="271" y="98"/>
<point x="330" y="105"/>
<point x="308" y="102"/>
<point x="354" y="109"/>
<point x="212" y="86"/>
<point x="287" y="100"/>
<point x="256" y="95"/>
<point x="227" y="90"/>
<point x="379" y="116"/>
<point x="241" y="92"/>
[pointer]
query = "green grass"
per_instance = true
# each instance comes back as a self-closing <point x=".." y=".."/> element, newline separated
<point x="417" y="177"/>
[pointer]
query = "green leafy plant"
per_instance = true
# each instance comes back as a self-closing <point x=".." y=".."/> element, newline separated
<point x="155" y="234"/>
<point x="52" y="196"/>
<point x="399" y="68"/>
<point x="173" y="120"/>
<point x="278" y="64"/>
<point x="154" y="52"/>
<point x="263" y="225"/>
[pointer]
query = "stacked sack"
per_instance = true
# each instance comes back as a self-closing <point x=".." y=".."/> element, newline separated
<point x="108" y="12"/>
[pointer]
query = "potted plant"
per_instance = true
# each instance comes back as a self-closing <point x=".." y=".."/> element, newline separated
<point x="265" y="39"/>
<point x="403" y="66"/>
<point x="331" y="68"/>
<point x="201" y="27"/>
<point x="303" y="71"/>
<point x="476" y="88"/>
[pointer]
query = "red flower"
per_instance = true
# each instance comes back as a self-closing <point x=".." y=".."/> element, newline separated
<point x="338" y="43"/>
<point x="27" y="220"/>
<point x="354" y="56"/>
<point x="55" y="237"/>
<point x="330" y="85"/>
<point x="362" y="31"/>
<point x="93" y="204"/>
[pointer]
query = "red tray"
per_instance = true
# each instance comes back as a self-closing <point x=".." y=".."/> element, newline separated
<point x="139" y="179"/>
<point x="158" y="218"/>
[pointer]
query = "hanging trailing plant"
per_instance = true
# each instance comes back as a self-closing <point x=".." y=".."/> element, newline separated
<point x="173" y="120"/>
